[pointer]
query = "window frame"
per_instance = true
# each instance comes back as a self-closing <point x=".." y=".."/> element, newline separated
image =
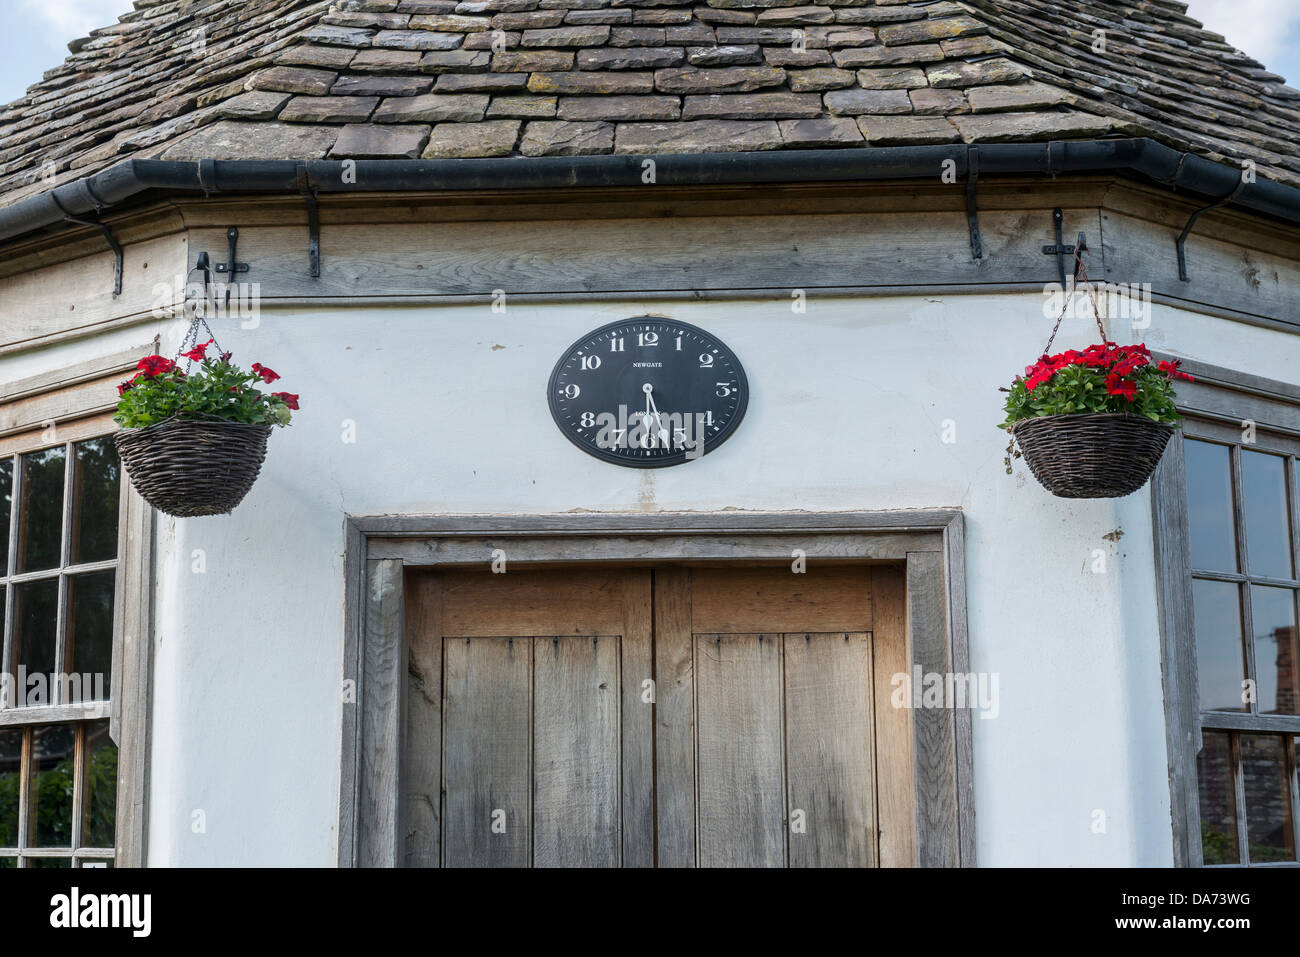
<point x="1216" y="406"/>
<point x="77" y="402"/>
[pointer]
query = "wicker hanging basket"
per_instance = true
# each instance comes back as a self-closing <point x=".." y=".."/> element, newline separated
<point x="1102" y="455"/>
<point x="187" y="467"/>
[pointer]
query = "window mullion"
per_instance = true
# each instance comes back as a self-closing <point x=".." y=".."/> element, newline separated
<point x="1239" y="787"/>
<point x="1293" y="511"/>
<point x="65" y="559"/>
<point x="1290" y="745"/>
<point x="79" y="761"/>
<point x="11" y="547"/>
<point x="1247" y="616"/>
<point x="24" y="797"/>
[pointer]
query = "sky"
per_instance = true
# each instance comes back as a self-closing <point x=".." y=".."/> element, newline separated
<point x="36" y="33"/>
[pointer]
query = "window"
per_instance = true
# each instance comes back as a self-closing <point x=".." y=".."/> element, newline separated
<point x="58" y="764"/>
<point x="1241" y="529"/>
<point x="75" y="624"/>
<point x="1228" y="544"/>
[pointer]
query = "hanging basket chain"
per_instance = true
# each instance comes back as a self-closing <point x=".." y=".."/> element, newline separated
<point x="1079" y="270"/>
<point x="197" y="320"/>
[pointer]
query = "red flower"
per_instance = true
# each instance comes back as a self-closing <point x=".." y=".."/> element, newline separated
<point x="196" y="354"/>
<point x="225" y="356"/>
<point x="155" y="365"/>
<point x="268" y="375"/>
<point x="1117" y="386"/>
<point x="288" y="398"/>
<point x="1171" y="369"/>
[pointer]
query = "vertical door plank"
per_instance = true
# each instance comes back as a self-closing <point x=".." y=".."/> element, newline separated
<point x="675" y="719"/>
<point x="576" y="782"/>
<point x="934" y="731"/>
<point x="740" y="760"/>
<point x="487" y="710"/>
<point x="637" y="719"/>
<point x="382" y="713"/>
<point x="895" y="790"/>
<point x="422" y="773"/>
<point x="828" y="720"/>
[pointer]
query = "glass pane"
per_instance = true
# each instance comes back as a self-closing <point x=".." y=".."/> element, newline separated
<point x="50" y="823"/>
<point x="94" y="501"/>
<point x="8" y="862"/>
<point x="49" y="862"/>
<point x="6" y="504"/>
<point x="1219" y="653"/>
<point x="1267" y="517"/>
<point x="40" y="520"/>
<point x="1277" y="657"/>
<point x="1209" y="507"/>
<point x="1218" y="800"/>
<point x="101" y="787"/>
<point x="90" y="634"/>
<point x="11" y="759"/>
<point x="1268" y="798"/>
<point x="36" y="607"/>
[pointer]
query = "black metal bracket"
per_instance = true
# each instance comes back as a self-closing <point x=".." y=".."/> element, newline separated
<point x="1187" y="230"/>
<point x="232" y="265"/>
<point x="1060" y="250"/>
<point x="313" y="221"/>
<point x="972" y="204"/>
<point x="108" y="235"/>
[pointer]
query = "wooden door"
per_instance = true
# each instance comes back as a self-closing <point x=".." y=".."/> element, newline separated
<point x="527" y="739"/>
<point x="778" y="744"/>
<point x="555" y="717"/>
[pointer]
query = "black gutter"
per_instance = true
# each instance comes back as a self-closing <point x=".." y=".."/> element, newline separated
<point x="1145" y="157"/>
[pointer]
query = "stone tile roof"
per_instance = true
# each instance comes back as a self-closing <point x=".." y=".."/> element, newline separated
<point x="306" y="79"/>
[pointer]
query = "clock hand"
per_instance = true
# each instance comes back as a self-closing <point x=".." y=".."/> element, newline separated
<point x="650" y="402"/>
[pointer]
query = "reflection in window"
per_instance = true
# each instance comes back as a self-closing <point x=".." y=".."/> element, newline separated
<point x="1209" y="507"/>
<point x="1267" y="785"/>
<point x="1276" y="663"/>
<point x="1219" y="661"/>
<point x="53" y="753"/>
<point x="1218" y="800"/>
<point x="40" y="519"/>
<point x="90" y="636"/>
<point x="94" y="502"/>
<point x="1267" y="516"/>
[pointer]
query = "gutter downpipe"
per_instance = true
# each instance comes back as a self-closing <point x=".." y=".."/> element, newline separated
<point x="1169" y="167"/>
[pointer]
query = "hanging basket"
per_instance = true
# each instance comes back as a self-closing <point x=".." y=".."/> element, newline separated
<point x="187" y="467"/>
<point x="1092" y="455"/>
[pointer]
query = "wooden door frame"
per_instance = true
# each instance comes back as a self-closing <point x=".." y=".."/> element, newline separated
<point x="930" y="542"/>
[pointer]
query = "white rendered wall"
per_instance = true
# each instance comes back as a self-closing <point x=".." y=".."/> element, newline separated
<point x="847" y="412"/>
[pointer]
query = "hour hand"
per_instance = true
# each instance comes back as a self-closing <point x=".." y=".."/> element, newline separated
<point x="648" y="389"/>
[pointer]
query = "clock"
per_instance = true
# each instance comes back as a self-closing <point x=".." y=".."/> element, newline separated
<point x="648" y="392"/>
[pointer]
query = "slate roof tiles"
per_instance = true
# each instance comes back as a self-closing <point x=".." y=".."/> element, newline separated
<point x="306" y="79"/>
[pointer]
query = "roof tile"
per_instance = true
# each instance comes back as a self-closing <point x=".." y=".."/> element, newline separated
<point x="608" y="75"/>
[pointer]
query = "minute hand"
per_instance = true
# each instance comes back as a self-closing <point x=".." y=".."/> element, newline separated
<point x="663" y="432"/>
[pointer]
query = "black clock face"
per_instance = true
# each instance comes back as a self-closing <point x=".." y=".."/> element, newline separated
<point x="648" y="392"/>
